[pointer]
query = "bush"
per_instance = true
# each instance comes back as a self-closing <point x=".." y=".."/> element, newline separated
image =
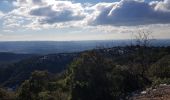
<point x="92" y="77"/>
<point x="161" y="69"/>
<point x="5" y="95"/>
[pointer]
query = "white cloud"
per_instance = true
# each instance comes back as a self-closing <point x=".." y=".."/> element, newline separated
<point x="60" y="11"/>
<point x="28" y="3"/>
<point x="1" y="14"/>
<point x="8" y="31"/>
<point x="130" y="13"/>
<point x="37" y="14"/>
<point x="163" y="5"/>
<point x="1" y="35"/>
<point x="43" y="14"/>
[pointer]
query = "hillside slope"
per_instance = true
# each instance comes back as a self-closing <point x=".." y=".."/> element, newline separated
<point x="16" y="73"/>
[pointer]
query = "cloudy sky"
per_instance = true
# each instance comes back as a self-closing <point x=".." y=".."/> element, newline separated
<point x="64" y="20"/>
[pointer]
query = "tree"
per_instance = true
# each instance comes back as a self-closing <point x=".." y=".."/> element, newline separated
<point x="143" y="54"/>
<point x="31" y="88"/>
<point x="92" y="77"/>
<point x="143" y="38"/>
<point x="41" y="87"/>
<point x="161" y="69"/>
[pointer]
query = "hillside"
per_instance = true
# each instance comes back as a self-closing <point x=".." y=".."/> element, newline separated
<point x="15" y="73"/>
<point x="7" y="57"/>
<point x="91" y="75"/>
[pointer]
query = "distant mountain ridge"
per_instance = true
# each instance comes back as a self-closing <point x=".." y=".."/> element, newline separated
<point x="48" y="47"/>
<point x="6" y="57"/>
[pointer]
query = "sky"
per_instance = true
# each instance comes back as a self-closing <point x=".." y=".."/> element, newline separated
<point x="72" y="20"/>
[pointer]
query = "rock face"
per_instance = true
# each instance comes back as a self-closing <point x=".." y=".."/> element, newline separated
<point x="162" y="92"/>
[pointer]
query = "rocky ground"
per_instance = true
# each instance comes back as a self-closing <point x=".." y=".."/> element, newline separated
<point x="162" y="92"/>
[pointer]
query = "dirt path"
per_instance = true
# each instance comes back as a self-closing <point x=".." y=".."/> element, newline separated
<point x="162" y="92"/>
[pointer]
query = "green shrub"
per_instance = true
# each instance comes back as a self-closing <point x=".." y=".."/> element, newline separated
<point x="161" y="69"/>
<point x="92" y="77"/>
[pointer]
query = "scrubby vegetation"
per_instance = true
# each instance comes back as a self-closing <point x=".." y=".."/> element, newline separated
<point x="101" y="74"/>
<point x="13" y="74"/>
<point x="6" y="95"/>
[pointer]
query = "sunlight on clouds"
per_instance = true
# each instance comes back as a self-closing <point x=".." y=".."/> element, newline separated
<point x="163" y="5"/>
<point x="1" y="14"/>
<point x="116" y="20"/>
<point x="8" y="31"/>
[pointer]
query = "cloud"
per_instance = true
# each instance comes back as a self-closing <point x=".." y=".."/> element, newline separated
<point x="7" y="1"/>
<point x="27" y="2"/>
<point x="8" y="31"/>
<point x="130" y="13"/>
<point x="40" y="14"/>
<point x="1" y="14"/>
<point x="163" y="5"/>
<point x="50" y="11"/>
<point x="60" y="11"/>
